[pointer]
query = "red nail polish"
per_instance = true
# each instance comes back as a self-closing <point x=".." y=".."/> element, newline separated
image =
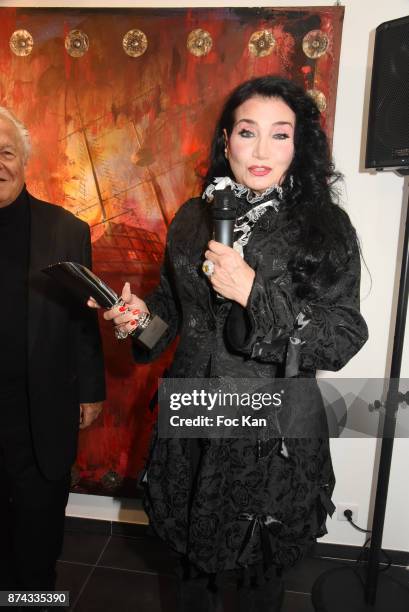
<point x="122" y="308"/>
<point x="136" y="311"/>
<point x="133" y="322"/>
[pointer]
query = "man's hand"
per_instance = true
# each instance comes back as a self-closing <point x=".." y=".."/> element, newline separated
<point x="88" y="413"/>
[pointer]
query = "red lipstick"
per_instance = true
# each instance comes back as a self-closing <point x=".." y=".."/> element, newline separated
<point x="259" y="170"/>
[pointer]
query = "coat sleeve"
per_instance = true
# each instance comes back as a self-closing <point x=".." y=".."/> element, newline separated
<point x="326" y="332"/>
<point x="162" y="302"/>
<point x="91" y="377"/>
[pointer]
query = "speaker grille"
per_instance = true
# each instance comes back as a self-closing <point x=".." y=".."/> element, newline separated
<point x="388" y="125"/>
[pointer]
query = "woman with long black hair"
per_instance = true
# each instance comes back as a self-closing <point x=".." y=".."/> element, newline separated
<point x="231" y="507"/>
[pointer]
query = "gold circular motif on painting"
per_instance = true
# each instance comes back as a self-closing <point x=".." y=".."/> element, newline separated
<point x="319" y="99"/>
<point x="135" y="43"/>
<point x="315" y="44"/>
<point x="262" y="43"/>
<point x="21" y="42"/>
<point x="199" y="42"/>
<point x="76" y="43"/>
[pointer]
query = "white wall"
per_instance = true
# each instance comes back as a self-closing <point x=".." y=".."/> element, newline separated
<point x="376" y="204"/>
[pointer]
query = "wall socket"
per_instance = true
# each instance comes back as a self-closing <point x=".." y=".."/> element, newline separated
<point x="345" y="506"/>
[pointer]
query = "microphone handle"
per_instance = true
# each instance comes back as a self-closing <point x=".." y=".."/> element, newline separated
<point x="223" y="231"/>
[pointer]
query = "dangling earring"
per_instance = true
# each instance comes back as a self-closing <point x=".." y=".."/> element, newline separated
<point x="226" y="149"/>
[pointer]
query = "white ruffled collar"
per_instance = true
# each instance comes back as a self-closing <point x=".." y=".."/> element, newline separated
<point x="221" y="182"/>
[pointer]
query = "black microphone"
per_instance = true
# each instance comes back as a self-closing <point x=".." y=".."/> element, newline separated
<point x="224" y="216"/>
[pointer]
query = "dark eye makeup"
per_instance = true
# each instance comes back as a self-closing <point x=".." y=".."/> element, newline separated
<point x="245" y="133"/>
<point x="281" y="135"/>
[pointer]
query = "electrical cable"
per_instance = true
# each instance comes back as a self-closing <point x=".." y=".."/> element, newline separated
<point x="348" y="515"/>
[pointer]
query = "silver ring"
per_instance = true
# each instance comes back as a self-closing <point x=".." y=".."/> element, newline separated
<point x="121" y="333"/>
<point x="118" y="304"/>
<point x="208" y="267"/>
<point x="143" y="319"/>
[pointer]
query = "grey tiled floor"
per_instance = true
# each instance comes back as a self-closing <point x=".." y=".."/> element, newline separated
<point x="114" y="573"/>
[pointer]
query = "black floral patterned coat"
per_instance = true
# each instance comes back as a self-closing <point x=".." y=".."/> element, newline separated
<point x="249" y="503"/>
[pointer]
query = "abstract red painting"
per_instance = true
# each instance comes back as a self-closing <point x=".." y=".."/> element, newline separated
<point x="121" y="105"/>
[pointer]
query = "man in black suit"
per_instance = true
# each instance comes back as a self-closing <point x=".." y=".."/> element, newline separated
<point x="51" y="370"/>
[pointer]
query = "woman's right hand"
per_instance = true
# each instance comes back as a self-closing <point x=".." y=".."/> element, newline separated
<point x="124" y="317"/>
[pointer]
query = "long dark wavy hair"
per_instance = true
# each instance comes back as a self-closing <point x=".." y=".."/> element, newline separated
<point x="321" y="231"/>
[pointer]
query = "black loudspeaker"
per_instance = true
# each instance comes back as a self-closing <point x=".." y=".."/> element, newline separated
<point x="388" y="123"/>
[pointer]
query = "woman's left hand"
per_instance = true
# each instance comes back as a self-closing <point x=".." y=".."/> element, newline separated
<point x="232" y="277"/>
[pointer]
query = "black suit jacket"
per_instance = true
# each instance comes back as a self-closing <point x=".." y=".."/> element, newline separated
<point x="65" y="361"/>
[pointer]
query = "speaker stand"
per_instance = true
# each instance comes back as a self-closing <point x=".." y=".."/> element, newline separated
<point x="343" y="589"/>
